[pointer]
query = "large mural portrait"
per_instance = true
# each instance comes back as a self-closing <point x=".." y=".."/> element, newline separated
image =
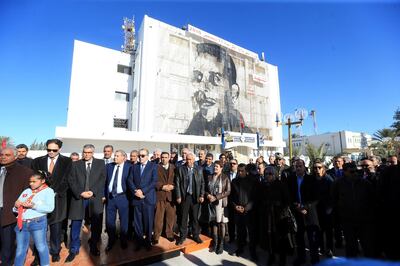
<point x="215" y="92"/>
<point x="202" y="87"/>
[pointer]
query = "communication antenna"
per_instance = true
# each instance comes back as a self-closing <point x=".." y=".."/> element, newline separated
<point x="129" y="35"/>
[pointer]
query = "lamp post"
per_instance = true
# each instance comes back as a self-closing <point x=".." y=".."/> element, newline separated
<point x="289" y="120"/>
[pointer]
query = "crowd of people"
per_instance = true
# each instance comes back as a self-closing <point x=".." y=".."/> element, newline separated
<point x="279" y="208"/>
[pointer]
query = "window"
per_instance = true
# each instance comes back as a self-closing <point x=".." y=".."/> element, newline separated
<point x="124" y="69"/>
<point x="120" y="123"/>
<point x="121" y="96"/>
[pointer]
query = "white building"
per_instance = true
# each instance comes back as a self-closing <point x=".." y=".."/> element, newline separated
<point x="178" y="88"/>
<point x="341" y="142"/>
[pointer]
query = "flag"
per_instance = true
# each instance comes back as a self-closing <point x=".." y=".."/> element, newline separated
<point x="223" y="138"/>
<point x="3" y="143"/>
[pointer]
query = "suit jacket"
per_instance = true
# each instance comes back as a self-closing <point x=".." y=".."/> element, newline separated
<point x="181" y="183"/>
<point x="165" y="177"/>
<point x="16" y="181"/>
<point x="309" y="198"/>
<point x="126" y="172"/>
<point x="58" y="182"/>
<point x="146" y="182"/>
<point x="76" y="181"/>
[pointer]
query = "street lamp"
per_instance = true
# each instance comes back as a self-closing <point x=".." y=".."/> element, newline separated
<point x="289" y="120"/>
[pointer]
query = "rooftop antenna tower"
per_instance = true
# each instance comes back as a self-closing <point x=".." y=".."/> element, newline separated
<point x="129" y="36"/>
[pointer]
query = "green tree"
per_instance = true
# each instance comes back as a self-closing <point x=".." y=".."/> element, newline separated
<point x="381" y="134"/>
<point x="37" y="145"/>
<point x="315" y="153"/>
<point x="396" y="123"/>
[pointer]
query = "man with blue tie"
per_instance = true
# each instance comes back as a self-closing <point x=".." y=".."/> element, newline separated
<point x="116" y="198"/>
<point x="142" y="184"/>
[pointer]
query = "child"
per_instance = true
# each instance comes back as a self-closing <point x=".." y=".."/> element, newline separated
<point x="32" y="206"/>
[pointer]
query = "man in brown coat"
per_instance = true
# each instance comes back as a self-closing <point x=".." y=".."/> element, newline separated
<point x="165" y="205"/>
<point x="14" y="178"/>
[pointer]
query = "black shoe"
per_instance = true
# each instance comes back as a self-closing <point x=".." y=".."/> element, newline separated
<point x="55" y="258"/>
<point x="109" y="247"/>
<point x="71" y="257"/>
<point x="35" y="262"/>
<point x="329" y="253"/>
<point x="148" y="245"/>
<point x="197" y="240"/>
<point x="180" y="241"/>
<point x="94" y="252"/>
<point x="171" y="239"/>
<point x="220" y="249"/>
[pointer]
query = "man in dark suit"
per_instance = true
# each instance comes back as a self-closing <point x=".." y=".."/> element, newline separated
<point x="14" y="178"/>
<point x="58" y="166"/>
<point x="116" y="198"/>
<point x="142" y="184"/>
<point x="86" y="180"/>
<point x="165" y="202"/>
<point x="189" y="188"/>
<point x="303" y="194"/>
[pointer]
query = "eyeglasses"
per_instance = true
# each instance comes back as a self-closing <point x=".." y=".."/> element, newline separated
<point x="53" y="150"/>
<point x="142" y="155"/>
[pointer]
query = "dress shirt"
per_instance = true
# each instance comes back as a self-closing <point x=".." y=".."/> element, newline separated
<point x="119" y="180"/>
<point x="49" y="161"/>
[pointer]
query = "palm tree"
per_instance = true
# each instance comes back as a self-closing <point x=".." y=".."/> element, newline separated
<point x="315" y="153"/>
<point x="381" y="134"/>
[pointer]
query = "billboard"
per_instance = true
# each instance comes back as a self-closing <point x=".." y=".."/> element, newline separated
<point x="205" y="84"/>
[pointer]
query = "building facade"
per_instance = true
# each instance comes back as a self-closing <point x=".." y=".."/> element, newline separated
<point x="341" y="142"/>
<point x="178" y="88"/>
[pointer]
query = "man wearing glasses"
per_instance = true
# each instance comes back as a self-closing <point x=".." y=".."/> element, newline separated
<point x="58" y="166"/>
<point x="142" y="184"/>
<point x="86" y="180"/>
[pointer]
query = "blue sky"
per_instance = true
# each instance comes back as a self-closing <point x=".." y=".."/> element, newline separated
<point x="341" y="59"/>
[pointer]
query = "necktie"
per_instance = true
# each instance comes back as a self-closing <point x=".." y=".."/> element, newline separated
<point x="190" y="178"/>
<point x="87" y="176"/>
<point x="115" y="182"/>
<point x="51" y="166"/>
<point x="141" y="169"/>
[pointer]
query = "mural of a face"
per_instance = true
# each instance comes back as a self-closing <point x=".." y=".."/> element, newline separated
<point x="210" y="85"/>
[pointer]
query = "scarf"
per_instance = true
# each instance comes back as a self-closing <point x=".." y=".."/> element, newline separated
<point x="21" y="209"/>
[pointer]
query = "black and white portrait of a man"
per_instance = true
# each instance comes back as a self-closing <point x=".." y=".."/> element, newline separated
<point x="215" y="93"/>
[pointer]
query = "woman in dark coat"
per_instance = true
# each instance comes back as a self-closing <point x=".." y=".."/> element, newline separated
<point x="275" y="201"/>
<point x="324" y="208"/>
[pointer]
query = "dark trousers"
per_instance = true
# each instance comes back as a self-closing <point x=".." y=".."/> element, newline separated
<point x="164" y="209"/>
<point x="56" y="235"/>
<point x="245" y="225"/>
<point x="76" y="225"/>
<point x="365" y="233"/>
<point x="7" y="235"/>
<point x="144" y="220"/>
<point x="231" y="223"/>
<point x="312" y="235"/>
<point x="189" y="209"/>
<point x="121" y="204"/>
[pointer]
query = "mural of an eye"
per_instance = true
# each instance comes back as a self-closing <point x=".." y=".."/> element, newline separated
<point x="215" y="78"/>
<point x="197" y="76"/>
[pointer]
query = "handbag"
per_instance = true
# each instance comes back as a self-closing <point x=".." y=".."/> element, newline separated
<point x="207" y="213"/>
<point x="288" y="218"/>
